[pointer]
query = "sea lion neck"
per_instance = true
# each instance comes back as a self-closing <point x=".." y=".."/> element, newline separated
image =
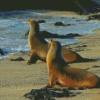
<point x="34" y="27"/>
<point x="56" y="50"/>
<point x="34" y="30"/>
<point x="55" y="56"/>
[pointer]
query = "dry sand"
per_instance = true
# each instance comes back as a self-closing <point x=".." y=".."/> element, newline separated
<point x="69" y="13"/>
<point x="65" y="13"/>
<point x="18" y="78"/>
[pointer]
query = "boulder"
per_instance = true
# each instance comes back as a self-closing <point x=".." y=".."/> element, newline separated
<point x="59" y="24"/>
<point x="94" y="17"/>
<point x="26" y="35"/>
<point x="46" y="34"/>
<point x="41" y="21"/>
<point x="1" y="52"/>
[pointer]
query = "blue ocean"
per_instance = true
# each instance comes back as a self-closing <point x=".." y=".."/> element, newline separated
<point x="13" y="28"/>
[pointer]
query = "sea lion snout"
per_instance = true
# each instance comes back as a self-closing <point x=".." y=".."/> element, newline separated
<point x="28" y="21"/>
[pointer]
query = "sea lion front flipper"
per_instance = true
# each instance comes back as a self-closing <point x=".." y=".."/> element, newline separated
<point x="52" y="81"/>
<point x="33" y="59"/>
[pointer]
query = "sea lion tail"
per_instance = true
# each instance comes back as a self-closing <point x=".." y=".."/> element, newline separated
<point x="87" y="60"/>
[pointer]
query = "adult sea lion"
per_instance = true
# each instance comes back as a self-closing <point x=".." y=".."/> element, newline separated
<point x="39" y="47"/>
<point x="62" y="74"/>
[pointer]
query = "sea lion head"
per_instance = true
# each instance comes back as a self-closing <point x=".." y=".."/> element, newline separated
<point x="55" y="44"/>
<point x="30" y="22"/>
<point x="34" y="25"/>
<point x="55" y="52"/>
<point x="56" y="47"/>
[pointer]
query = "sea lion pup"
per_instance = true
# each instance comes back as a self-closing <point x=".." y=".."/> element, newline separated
<point x="62" y="74"/>
<point x="39" y="47"/>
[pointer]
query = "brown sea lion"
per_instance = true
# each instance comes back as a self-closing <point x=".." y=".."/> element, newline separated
<point x="39" y="47"/>
<point x="62" y="74"/>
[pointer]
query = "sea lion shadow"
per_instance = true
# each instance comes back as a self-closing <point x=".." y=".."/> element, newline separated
<point x="49" y="94"/>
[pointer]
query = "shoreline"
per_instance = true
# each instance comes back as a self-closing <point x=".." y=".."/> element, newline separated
<point x="65" y="13"/>
<point x="60" y="13"/>
<point x="70" y="14"/>
<point x="18" y="78"/>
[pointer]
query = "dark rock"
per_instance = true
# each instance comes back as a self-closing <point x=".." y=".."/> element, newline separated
<point x="94" y="17"/>
<point x="68" y="25"/>
<point x="95" y="9"/>
<point x="48" y="94"/>
<point x="72" y="35"/>
<point x="84" y="46"/>
<point x="95" y="66"/>
<point x="26" y="35"/>
<point x="59" y="24"/>
<point x="46" y="34"/>
<point x="41" y="21"/>
<point x="86" y="11"/>
<point x="81" y="46"/>
<point x="18" y="59"/>
<point x="1" y="52"/>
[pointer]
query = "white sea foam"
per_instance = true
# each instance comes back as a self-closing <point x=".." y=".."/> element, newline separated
<point x="2" y="57"/>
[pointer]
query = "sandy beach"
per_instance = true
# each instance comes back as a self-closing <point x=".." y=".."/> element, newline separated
<point x="17" y="78"/>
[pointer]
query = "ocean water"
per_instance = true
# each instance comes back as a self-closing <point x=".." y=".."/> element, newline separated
<point x="13" y="27"/>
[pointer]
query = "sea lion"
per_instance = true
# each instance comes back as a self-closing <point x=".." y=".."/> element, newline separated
<point x="62" y="74"/>
<point x="39" y="47"/>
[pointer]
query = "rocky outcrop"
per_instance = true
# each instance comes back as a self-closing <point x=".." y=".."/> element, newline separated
<point x="18" y="59"/>
<point x="41" y="21"/>
<point x="26" y="35"/>
<point x="86" y="11"/>
<point x="46" y="34"/>
<point x="61" y="24"/>
<point x="47" y="94"/>
<point x="94" y="17"/>
<point x="1" y="52"/>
